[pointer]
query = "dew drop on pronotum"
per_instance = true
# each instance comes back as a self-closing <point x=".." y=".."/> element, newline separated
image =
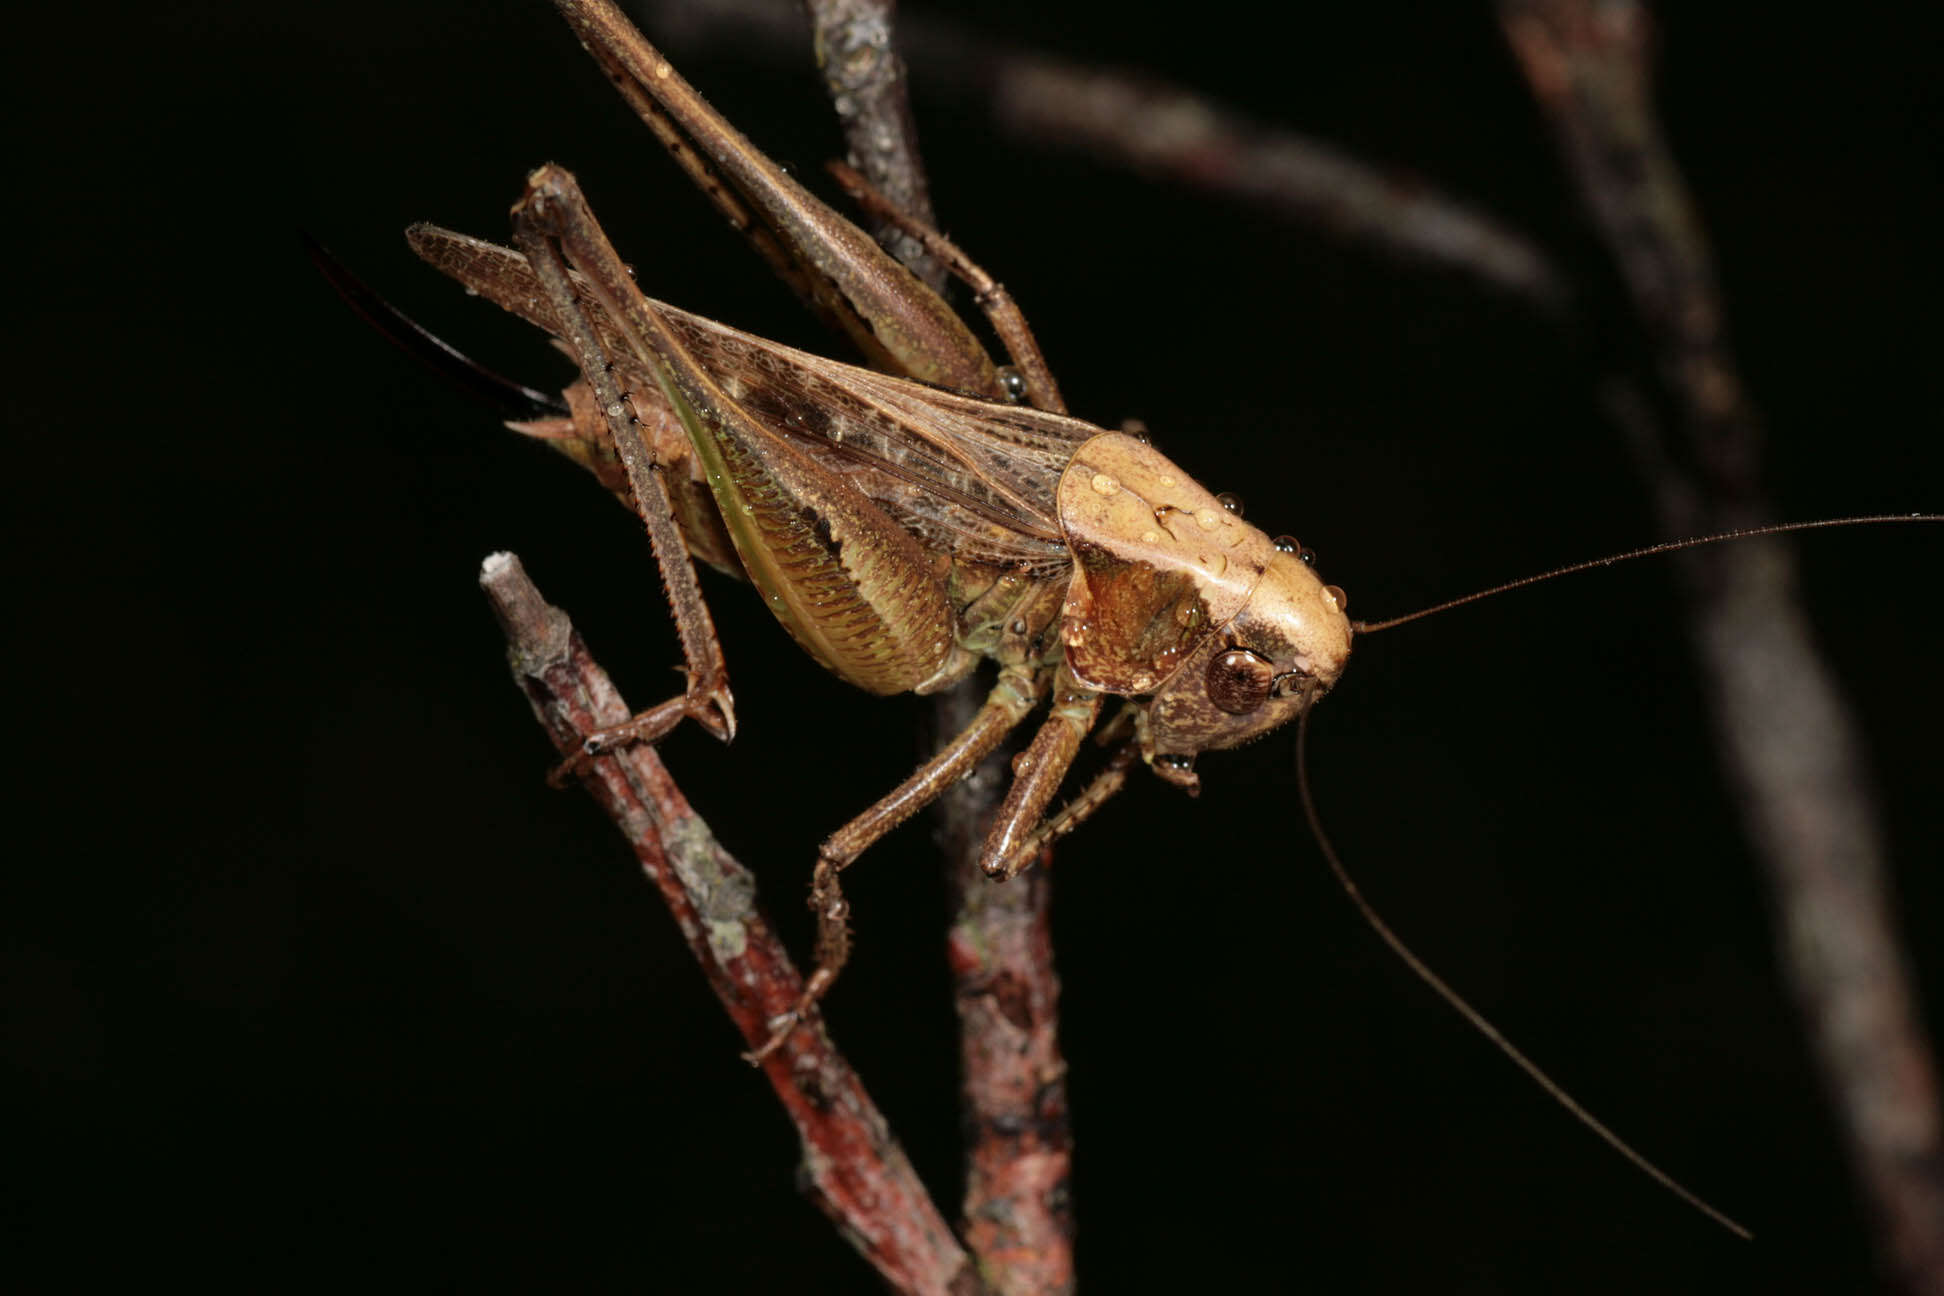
<point x="1230" y="501"/>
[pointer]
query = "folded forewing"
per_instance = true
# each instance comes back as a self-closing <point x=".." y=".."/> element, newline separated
<point x="974" y="478"/>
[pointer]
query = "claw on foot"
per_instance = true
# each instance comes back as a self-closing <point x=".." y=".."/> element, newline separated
<point x="780" y="1030"/>
<point x="715" y="711"/>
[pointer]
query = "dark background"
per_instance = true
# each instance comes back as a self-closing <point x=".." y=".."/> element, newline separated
<point x="310" y="979"/>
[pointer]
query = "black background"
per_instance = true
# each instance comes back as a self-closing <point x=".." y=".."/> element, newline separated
<point x="310" y="979"/>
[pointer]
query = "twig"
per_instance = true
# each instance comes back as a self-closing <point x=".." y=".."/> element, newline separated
<point x="1018" y="1213"/>
<point x="1019" y="1149"/>
<point x="866" y="81"/>
<point x="853" y="1168"/>
<point x="1170" y="133"/>
<point x="1785" y="732"/>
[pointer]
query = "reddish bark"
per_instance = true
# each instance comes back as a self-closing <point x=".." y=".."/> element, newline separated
<point x="853" y="1167"/>
<point x="1019" y="1150"/>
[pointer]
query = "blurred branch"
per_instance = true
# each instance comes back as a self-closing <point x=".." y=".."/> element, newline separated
<point x="1788" y="740"/>
<point x="852" y="1167"/>
<point x="1019" y="1147"/>
<point x="1170" y="134"/>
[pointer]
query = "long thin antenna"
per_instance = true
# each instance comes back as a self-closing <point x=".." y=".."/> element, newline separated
<point x="1471" y="1014"/>
<point x="1670" y="546"/>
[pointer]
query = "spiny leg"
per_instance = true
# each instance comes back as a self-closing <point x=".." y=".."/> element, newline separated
<point x="897" y="321"/>
<point x="549" y="220"/>
<point x="1037" y="773"/>
<point x="1009" y="702"/>
<point x="999" y="307"/>
<point x="1071" y="815"/>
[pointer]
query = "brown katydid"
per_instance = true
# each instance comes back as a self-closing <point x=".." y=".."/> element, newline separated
<point x="903" y="529"/>
<point x="839" y="411"/>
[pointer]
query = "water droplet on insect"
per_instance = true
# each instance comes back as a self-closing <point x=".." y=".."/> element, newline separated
<point x="1018" y="627"/>
<point x="1208" y="519"/>
<point x="1230" y="501"/>
<point x="1149" y="537"/>
<point x="1022" y="763"/>
<point x="1167" y="483"/>
<point x="1338" y="599"/>
<point x="1104" y="484"/>
<point x="1287" y="544"/>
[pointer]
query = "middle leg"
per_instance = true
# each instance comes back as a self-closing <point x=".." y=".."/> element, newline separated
<point x="1016" y="693"/>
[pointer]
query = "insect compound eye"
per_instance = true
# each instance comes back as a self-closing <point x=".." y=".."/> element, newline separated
<point x="1288" y="544"/>
<point x="1238" y="680"/>
<point x="1014" y="383"/>
<point x="1230" y="501"/>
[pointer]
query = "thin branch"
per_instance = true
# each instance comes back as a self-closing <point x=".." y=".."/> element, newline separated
<point x="1791" y="746"/>
<point x="852" y="1167"/>
<point x="1172" y="134"/>
<point x="866" y="81"/>
<point x="1019" y="1146"/>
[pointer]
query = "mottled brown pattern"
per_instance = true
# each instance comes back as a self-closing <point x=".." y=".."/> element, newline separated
<point x="1128" y="624"/>
<point x="964" y="474"/>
